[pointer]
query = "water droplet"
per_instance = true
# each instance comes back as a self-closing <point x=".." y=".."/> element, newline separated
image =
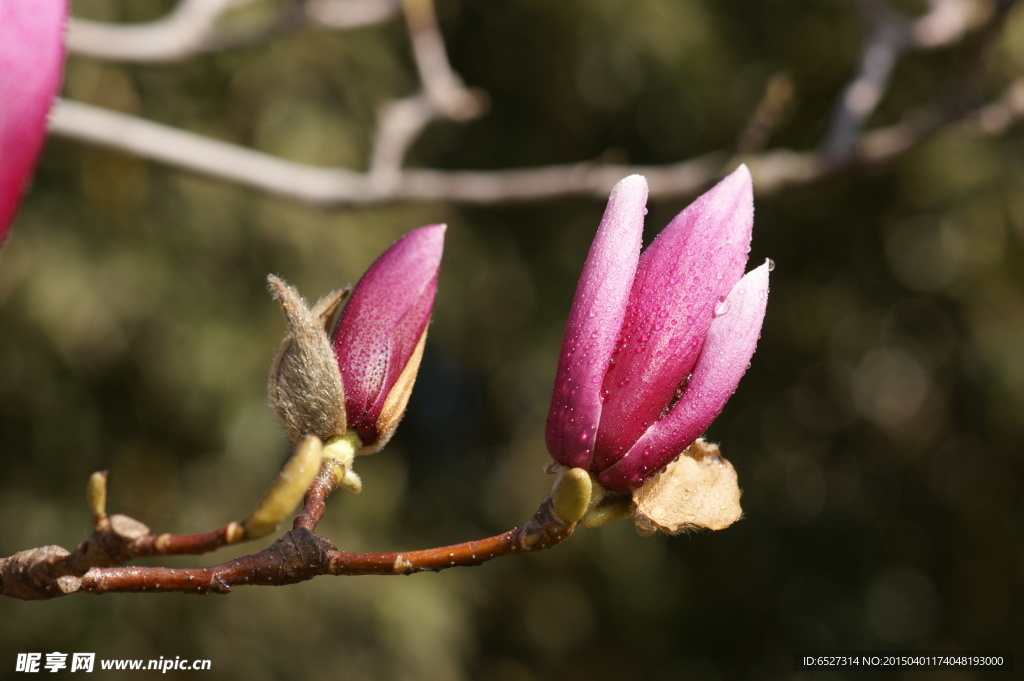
<point x="771" y="264"/>
<point x="663" y="314"/>
<point x="623" y="383"/>
<point x="690" y="320"/>
<point x="721" y="308"/>
<point x="605" y="395"/>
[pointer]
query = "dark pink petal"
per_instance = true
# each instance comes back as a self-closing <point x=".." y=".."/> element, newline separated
<point x="688" y="270"/>
<point x="594" y="323"/>
<point x="31" y="59"/>
<point x="728" y="347"/>
<point x="383" y="321"/>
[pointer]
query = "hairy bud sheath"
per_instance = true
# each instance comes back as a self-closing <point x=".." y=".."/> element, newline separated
<point x="656" y="342"/>
<point x="358" y="375"/>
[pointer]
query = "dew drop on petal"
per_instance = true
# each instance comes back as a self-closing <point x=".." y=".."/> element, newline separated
<point x="771" y="264"/>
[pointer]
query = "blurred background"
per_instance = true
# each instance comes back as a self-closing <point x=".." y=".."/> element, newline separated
<point x="878" y="435"/>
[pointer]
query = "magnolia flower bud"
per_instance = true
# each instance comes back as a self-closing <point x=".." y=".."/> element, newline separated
<point x="31" y="66"/>
<point x="656" y="342"/>
<point x="356" y="377"/>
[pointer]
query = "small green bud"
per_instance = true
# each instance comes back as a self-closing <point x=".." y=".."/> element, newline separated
<point x="571" y="493"/>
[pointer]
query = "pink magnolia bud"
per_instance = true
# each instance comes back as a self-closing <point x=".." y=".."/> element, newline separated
<point x="358" y="376"/>
<point x="656" y="342"/>
<point x="31" y="60"/>
<point x="379" y="337"/>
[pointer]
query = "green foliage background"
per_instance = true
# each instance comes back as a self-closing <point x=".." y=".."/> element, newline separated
<point x="878" y="433"/>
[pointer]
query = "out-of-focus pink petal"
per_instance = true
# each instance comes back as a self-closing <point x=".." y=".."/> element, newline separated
<point x="594" y="323"/>
<point x="383" y="321"/>
<point x="683" y="275"/>
<point x="728" y="347"/>
<point x="31" y="59"/>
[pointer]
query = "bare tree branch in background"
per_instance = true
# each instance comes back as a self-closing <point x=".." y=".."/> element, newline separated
<point x="772" y="170"/>
<point x="196" y="25"/>
<point x="443" y="95"/>
<point x="890" y="36"/>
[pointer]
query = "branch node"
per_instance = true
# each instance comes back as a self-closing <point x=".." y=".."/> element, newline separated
<point x="37" y="574"/>
<point x="402" y="566"/>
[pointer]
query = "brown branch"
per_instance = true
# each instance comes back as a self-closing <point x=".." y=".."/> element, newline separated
<point x="54" y="571"/>
<point x="315" y="504"/>
<point x="94" y="567"/>
<point x="301" y="555"/>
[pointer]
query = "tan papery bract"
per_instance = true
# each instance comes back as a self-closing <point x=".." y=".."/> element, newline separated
<point x="395" y="403"/>
<point x="697" y="490"/>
